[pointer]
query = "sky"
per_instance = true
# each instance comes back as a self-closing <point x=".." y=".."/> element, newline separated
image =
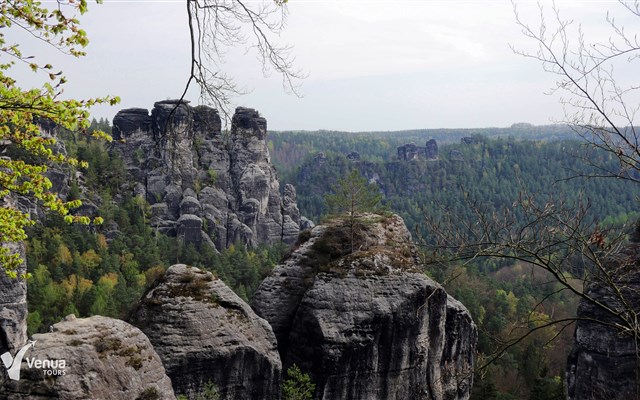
<point x="370" y="65"/>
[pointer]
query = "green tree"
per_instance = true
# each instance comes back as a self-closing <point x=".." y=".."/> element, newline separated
<point x="298" y="386"/>
<point x="24" y="111"/>
<point x="353" y="196"/>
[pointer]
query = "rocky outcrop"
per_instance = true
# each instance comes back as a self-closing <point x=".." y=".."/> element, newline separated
<point x="368" y="324"/>
<point x="456" y="155"/>
<point x="603" y="363"/>
<point x="13" y="307"/>
<point x="204" y="333"/>
<point x="408" y="152"/>
<point x="203" y="186"/>
<point x="353" y="156"/>
<point x="92" y="358"/>
<point x="431" y="149"/>
<point x="411" y="152"/>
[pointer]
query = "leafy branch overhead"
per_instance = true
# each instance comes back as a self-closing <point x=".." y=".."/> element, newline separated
<point x="24" y="111"/>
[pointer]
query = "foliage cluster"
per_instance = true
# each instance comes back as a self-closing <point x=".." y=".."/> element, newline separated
<point x="298" y="385"/>
<point x="23" y="112"/>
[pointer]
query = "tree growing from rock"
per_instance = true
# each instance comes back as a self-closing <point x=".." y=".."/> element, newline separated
<point x="353" y="196"/>
<point x="297" y="386"/>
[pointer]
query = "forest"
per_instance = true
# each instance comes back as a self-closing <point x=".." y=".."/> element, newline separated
<point x="89" y="271"/>
<point x="489" y="173"/>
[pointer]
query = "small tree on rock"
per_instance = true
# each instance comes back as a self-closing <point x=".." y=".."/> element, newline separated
<point x="298" y="386"/>
<point x="353" y="196"/>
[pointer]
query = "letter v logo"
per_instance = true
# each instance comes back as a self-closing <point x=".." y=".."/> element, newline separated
<point x="13" y="364"/>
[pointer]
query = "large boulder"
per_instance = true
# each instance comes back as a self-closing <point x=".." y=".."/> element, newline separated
<point x="92" y="358"/>
<point x="205" y="333"/>
<point x="352" y="308"/>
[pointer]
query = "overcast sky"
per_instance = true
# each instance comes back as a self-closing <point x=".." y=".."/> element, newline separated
<point x="371" y="65"/>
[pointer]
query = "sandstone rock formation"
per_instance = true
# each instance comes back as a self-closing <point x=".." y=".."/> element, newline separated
<point x="13" y="307"/>
<point x="204" y="333"/>
<point x="353" y="156"/>
<point x="603" y="363"/>
<point x="368" y="324"/>
<point x="103" y="358"/>
<point x="410" y="151"/>
<point x="204" y="186"/>
<point x="431" y="149"/>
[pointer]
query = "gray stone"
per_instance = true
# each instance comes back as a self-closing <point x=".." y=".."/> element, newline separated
<point x="13" y="306"/>
<point x="130" y="120"/>
<point x="104" y="358"/>
<point x="320" y="159"/>
<point x="190" y="205"/>
<point x="204" y="332"/>
<point x="188" y="228"/>
<point x="178" y="156"/>
<point x="603" y="360"/>
<point x="215" y="197"/>
<point x="368" y="324"/>
<point x="431" y="149"/>
<point x="306" y="223"/>
<point x="408" y="152"/>
<point x="353" y="156"/>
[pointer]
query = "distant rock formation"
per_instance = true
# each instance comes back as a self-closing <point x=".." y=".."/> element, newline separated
<point x="320" y="159"/>
<point x="203" y="186"/>
<point x="204" y="333"/>
<point x="603" y="363"/>
<point x="353" y="156"/>
<point x="104" y="358"/>
<point x="456" y="155"/>
<point x="411" y="152"/>
<point x="368" y="324"/>
<point x="431" y="149"/>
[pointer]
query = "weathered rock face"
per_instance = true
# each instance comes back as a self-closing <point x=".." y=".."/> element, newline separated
<point x="13" y="308"/>
<point x="368" y="324"/>
<point x="205" y="333"/>
<point x="203" y="186"/>
<point x="411" y="152"/>
<point x="408" y="152"/>
<point x="353" y="156"/>
<point x="603" y="361"/>
<point x="431" y="149"/>
<point x="103" y="358"/>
